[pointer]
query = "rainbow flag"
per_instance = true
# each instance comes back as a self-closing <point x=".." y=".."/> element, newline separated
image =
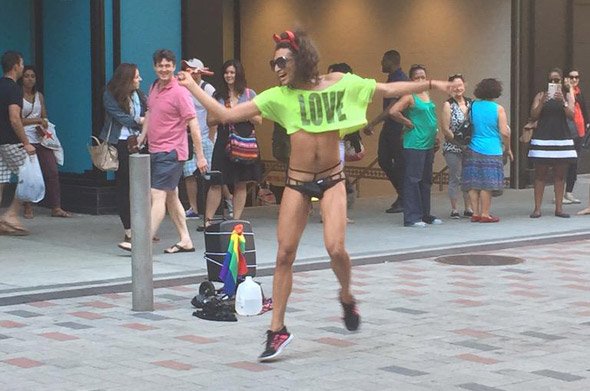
<point x="234" y="264"/>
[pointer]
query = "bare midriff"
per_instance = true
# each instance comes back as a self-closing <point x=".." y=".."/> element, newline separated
<point x="314" y="153"/>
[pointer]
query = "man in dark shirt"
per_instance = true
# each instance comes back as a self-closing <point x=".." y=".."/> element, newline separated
<point x="14" y="144"/>
<point x="390" y="156"/>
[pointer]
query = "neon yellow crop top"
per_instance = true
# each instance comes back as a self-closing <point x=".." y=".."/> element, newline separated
<point x="341" y="106"/>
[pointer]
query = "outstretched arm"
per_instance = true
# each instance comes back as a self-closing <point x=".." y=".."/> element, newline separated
<point x="399" y="88"/>
<point x="221" y="114"/>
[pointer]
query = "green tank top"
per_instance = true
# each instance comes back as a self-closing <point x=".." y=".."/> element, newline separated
<point x="423" y="115"/>
<point x="341" y="106"/>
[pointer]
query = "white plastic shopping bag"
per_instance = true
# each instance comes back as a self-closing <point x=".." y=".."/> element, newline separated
<point x="51" y="141"/>
<point x="30" y="187"/>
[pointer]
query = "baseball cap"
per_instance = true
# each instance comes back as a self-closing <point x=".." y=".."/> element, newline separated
<point x="194" y="63"/>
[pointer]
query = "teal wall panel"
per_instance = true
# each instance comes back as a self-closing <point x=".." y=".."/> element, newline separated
<point x="148" y="25"/>
<point x="66" y="37"/>
<point x="108" y="38"/>
<point x="16" y="24"/>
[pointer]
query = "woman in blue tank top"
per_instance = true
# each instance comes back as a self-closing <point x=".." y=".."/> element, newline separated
<point x="483" y="169"/>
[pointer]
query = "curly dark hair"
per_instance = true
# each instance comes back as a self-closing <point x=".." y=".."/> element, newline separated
<point x="121" y="85"/>
<point x="306" y="57"/>
<point x="488" y="89"/>
<point x="239" y="83"/>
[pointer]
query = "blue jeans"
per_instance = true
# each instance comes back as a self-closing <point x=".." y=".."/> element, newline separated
<point x="417" y="184"/>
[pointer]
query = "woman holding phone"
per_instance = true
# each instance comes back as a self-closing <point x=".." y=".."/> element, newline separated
<point x="552" y="145"/>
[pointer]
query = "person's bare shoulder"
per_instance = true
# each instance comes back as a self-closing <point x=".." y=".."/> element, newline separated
<point x="329" y="79"/>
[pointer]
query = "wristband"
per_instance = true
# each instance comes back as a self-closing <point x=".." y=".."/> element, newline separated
<point x="430" y="84"/>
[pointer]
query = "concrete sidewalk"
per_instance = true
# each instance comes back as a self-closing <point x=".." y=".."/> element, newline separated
<point x="66" y="254"/>
<point x="426" y="326"/>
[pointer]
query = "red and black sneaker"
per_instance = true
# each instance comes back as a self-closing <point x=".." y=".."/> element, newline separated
<point x="352" y="318"/>
<point x="275" y="343"/>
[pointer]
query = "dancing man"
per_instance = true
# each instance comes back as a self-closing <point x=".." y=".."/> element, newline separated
<point x="316" y="111"/>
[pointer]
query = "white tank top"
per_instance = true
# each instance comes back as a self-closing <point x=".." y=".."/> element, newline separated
<point x="32" y="110"/>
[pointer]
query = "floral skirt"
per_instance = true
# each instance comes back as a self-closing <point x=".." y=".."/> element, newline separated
<point x="482" y="172"/>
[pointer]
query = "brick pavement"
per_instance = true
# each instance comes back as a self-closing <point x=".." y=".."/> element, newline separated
<point x="426" y="326"/>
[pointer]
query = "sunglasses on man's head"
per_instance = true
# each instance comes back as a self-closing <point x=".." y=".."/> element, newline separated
<point x="280" y="62"/>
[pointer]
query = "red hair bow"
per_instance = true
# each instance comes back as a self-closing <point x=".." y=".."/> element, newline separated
<point x="287" y="37"/>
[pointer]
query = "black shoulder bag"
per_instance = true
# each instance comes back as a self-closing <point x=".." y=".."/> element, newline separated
<point x="462" y="136"/>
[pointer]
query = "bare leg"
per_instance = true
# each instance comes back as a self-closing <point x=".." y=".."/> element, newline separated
<point x="239" y="199"/>
<point x="190" y="182"/>
<point x="28" y="210"/>
<point x="474" y="197"/>
<point x="559" y="172"/>
<point x="467" y="201"/>
<point x="176" y="212"/>
<point x="11" y="214"/>
<point x="584" y="211"/>
<point x="540" y="175"/>
<point x="292" y="220"/>
<point x="453" y="204"/>
<point x="158" y="209"/>
<point x="333" y="207"/>
<point x="213" y="200"/>
<point x="486" y="202"/>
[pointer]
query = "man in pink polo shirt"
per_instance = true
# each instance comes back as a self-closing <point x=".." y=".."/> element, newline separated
<point x="170" y="110"/>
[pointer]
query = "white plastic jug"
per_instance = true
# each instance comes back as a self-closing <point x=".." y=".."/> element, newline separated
<point x="249" y="298"/>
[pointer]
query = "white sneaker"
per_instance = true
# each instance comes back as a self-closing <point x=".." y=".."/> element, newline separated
<point x="570" y="197"/>
<point x="417" y="224"/>
<point x="566" y="201"/>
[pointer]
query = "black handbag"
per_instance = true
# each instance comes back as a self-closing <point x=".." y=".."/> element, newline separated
<point x="462" y="136"/>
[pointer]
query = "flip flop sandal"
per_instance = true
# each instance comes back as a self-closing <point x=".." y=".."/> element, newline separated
<point x="7" y="232"/>
<point x="175" y="249"/>
<point x="13" y="230"/>
<point x="61" y="213"/>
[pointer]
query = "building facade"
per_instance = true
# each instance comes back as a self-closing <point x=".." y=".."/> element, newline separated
<point x="76" y="44"/>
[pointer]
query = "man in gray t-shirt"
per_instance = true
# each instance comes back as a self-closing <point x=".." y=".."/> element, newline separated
<point x="207" y="139"/>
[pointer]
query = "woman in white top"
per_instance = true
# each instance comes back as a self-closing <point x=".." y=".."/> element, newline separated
<point x="35" y="122"/>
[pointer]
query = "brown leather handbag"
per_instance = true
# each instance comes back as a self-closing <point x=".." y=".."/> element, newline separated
<point x="104" y="155"/>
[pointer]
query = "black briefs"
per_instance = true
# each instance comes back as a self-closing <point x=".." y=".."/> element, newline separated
<point x="317" y="186"/>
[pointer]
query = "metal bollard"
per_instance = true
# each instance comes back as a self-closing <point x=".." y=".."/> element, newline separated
<point x="142" y="273"/>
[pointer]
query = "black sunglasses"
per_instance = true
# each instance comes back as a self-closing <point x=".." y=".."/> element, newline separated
<point x="574" y="77"/>
<point x="455" y="76"/>
<point x="556" y="80"/>
<point x="280" y="62"/>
